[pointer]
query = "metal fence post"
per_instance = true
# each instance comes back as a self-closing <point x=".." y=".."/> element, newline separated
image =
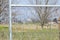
<point x="10" y="22"/>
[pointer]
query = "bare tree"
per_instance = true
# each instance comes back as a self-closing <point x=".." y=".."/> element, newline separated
<point x="3" y="10"/>
<point x="3" y="5"/>
<point x="45" y="12"/>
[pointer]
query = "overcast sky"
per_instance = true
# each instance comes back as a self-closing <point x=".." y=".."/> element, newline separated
<point x="26" y="12"/>
<point x="33" y="2"/>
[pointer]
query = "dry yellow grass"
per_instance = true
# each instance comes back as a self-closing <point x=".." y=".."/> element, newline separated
<point x="24" y="27"/>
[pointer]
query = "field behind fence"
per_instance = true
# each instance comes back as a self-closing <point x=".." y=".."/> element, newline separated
<point x="30" y="32"/>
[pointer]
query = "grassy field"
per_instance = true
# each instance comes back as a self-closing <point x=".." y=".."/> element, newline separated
<point x="29" y="32"/>
<point x="4" y="34"/>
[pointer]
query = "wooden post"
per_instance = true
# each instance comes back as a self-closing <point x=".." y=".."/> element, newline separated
<point x="59" y="26"/>
<point x="59" y="30"/>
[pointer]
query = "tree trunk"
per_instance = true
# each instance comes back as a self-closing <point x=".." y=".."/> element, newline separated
<point x="42" y="25"/>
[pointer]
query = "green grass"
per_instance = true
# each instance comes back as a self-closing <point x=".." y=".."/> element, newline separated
<point x="3" y="28"/>
<point x="36" y="35"/>
<point x="4" y="34"/>
<point x="44" y="34"/>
